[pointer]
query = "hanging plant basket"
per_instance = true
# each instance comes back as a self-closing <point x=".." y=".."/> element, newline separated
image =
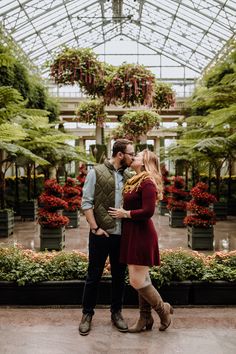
<point x="92" y="112"/>
<point x="139" y="123"/>
<point x="131" y="85"/>
<point x="164" y="96"/>
<point x="79" y="66"/>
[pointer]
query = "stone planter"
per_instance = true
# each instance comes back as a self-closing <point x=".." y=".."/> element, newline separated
<point x="200" y="238"/>
<point x="176" y="218"/>
<point x="74" y="217"/>
<point x="6" y="223"/>
<point x="162" y="208"/>
<point x="70" y="292"/>
<point x="214" y="293"/>
<point x="52" y="239"/>
<point x="29" y="209"/>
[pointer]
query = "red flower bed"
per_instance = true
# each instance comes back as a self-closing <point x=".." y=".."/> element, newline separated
<point x="166" y="183"/>
<point x="52" y="220"/>
<point x="72" y="194"/>
<point x="82" y="175"/>
<point x="51" y="201"/>
<point x="51" y="187"/>
<point x="177" y="201"/>
<point x="201" y="215"/>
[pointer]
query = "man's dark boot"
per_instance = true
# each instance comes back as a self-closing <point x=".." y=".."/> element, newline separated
<point x="145" y="321"/>
<point x="85" y="324"/>
<point x="119" y="321"/>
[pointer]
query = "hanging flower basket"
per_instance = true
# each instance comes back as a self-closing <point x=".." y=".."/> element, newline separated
<point x="92" y="112"/>
<point x="131" y="85"/>
<point x="138" y="123"/>
<point x="79" y="66"/>
<point x="164" y="96"/>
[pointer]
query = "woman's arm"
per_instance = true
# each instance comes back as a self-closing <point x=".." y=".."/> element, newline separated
<point x="148" y="205"/>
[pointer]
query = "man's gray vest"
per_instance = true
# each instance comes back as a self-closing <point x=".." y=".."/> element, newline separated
<point x="104" y="195"/>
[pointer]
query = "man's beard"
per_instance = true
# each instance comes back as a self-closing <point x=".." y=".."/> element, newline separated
<point x="123" y="164"/>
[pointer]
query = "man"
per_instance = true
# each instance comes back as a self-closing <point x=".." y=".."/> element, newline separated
<point x="103" y="189"/>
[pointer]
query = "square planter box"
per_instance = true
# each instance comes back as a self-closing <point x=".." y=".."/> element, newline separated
<point x="213" y="293"/>
<point x="162" y="208"/>
<point x="52" y="239"/>
<point x="29" y="210"/>
<point x="70" y="292"/>
<point x="200" y="238"/>
<point x="6" y="223"/>
<point x="74" y="217"/>
<point x="176" y="218"/>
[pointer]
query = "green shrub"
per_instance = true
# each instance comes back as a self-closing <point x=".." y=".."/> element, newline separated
<point x="26" y="266"/>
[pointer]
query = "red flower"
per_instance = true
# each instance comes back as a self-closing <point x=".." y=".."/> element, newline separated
<point x="52" y="220"/>
<point x="178" y="195"/>
<point x="202" y="216"/>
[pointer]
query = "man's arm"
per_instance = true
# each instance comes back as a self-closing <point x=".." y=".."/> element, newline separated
<point x="88" y="203"/>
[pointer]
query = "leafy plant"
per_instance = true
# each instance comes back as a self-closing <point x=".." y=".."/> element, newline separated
<point x="79" y="66"/>
<point x="27" y="266"/>
<point x="92" y="112"/>
<point x="131" y="84"/>
<point x="138" y="123"/>
<point x="164" y="96"/>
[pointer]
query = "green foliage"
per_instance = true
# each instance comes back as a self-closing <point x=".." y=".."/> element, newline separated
<point x="178" y="265"/>
<point x="92" y="112"/>
<point x="139" y="123"/>
<point x="164" y="96"/>
<point x="26" y="266"/>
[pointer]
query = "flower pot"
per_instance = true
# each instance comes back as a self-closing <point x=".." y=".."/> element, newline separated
<point x="200" y="238"/>
<point x="74" y="217"/>
<point x="6" y="223"/>
<point x="29" y="209"/>
<point x="176" y="218"/>
<point x="162" y="208"/>
<point x="52" y="239"/>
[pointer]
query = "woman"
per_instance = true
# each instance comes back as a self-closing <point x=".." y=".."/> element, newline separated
<point x="139" y="243"/>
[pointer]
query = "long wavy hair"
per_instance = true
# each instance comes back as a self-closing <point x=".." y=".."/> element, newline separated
<point x="152" y="166"/>
<point x="150" y="170"/>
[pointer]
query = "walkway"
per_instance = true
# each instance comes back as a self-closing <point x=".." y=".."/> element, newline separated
<point x="35" y="330"/>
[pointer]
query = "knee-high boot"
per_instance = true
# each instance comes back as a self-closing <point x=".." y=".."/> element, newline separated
<point x="163" y="309"/>
<point x="145" y="320"/>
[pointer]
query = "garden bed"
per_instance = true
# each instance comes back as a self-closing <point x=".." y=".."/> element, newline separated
<point x="70" y="293"/>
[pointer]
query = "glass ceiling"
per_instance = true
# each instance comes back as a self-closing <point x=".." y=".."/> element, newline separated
<point x="189" y="33"/>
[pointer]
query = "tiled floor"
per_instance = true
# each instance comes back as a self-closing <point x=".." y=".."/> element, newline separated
<point x="55" y="331"/>
<point x="203" y="330"/>
<point x="27" y="234"/>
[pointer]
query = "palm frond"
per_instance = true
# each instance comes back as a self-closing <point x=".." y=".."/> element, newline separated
<point x="11" y="132"/>
<point x="18" y="150"/>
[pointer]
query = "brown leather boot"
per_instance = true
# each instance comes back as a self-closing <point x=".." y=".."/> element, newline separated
<point x="145" y="320"/>
<point x="164" y="309"/>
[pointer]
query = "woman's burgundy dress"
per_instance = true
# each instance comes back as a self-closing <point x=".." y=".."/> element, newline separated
<point x="139" y="242"/>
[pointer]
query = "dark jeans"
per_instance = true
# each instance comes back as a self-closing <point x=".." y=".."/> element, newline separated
<point x="99" y="248"/>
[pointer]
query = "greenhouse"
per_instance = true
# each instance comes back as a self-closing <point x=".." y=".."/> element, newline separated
<point x="117" y="176"/>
